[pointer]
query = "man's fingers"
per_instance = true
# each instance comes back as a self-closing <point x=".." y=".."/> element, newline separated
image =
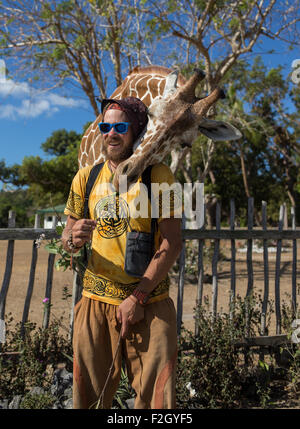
<point x="83" y="231"/>
<point x="88" y="226"/>
<point x="119" y="316"/>
<point x="124" y="329"/>
<point x="83" y="234"/>
<point x="124" y="323"/>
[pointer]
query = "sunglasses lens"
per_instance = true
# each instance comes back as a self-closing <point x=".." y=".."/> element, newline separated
<point x="121" y="127"/>
<point x="104" y="127"/>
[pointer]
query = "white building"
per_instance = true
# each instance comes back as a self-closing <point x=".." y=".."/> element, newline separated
<point x="52" y="212"/>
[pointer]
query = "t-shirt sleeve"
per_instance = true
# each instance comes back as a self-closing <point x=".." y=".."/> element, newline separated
<point x="167" y="193"/>
<point x="75" y="203"/>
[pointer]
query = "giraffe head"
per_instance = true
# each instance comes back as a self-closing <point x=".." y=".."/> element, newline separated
<point x="174" y="118"/>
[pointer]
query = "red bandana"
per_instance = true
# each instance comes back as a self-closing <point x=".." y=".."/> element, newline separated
<point x="115" y="106"/>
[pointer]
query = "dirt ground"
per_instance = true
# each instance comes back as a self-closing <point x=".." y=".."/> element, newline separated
<point x="63" y="281"/>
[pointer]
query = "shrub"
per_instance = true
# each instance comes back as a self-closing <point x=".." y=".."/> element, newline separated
<point x="29" y="357"/>
<point x="38" y="401"/>
<point x="214" y="367"/>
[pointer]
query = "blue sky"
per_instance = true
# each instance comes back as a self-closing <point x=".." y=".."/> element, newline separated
<point x="28" y="117"/>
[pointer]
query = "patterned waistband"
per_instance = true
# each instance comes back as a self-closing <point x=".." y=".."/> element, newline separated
<point x="97" y="287"/>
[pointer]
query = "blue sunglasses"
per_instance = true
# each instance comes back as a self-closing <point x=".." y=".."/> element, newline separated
<point x="119" y="127"/>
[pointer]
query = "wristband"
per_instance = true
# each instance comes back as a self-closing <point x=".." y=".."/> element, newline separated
<point x="141" y="296"/>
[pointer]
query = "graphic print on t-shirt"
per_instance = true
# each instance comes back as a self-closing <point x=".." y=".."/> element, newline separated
<point x="112" y="215"/>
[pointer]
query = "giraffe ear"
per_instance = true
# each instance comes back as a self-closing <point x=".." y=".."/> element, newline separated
<point x="171" y="83"/>
<point x="218" y="130"/>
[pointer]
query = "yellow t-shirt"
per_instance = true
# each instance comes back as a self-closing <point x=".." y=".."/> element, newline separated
<point x="117" y="214"/>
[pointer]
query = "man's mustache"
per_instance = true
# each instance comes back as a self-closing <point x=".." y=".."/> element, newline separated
<point x="114" y="139"/>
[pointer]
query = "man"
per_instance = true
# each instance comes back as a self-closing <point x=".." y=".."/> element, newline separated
<point x="113" y="302"/>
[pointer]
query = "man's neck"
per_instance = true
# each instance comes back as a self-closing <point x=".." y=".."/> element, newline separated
<point x="112" y="165"/>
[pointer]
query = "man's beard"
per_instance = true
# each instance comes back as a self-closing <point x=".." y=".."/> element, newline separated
<point x="124" y="154"/>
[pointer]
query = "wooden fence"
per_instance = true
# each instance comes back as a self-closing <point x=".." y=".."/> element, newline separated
<point x="214" y="235"/>
<point x="250" y="234"/>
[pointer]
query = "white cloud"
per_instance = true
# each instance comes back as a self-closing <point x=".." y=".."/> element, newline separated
<point x="14" y="89"/>
<point x="30" y="103"/>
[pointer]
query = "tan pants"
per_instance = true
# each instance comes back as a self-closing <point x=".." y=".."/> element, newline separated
<point x="150" y="353"/>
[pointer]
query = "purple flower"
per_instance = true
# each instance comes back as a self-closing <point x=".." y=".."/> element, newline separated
<point x="45" y="300"/>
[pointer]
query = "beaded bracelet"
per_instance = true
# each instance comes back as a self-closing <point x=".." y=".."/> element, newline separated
<point x="70" y="243"/>
<point x="71" y="246"/>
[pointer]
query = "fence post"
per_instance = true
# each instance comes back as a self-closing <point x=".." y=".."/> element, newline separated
<point x="181" y="283"/>
<point x="200" y="273"/>
<point x="277" y="272"/>
<point x="7" y="274"/>
<point x="76" y="295"/>
<point x="215" y="263"/>
<point x="249" y="269"/>
<point x="51" y="259"/>
<point x="232" y="262"/>
<point x="294" y="264"/>
<point x="249" y="246"/>
<point x="31" y="277"/>
<point x="266" y="271"/>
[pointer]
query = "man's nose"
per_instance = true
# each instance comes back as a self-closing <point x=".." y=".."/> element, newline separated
<point x="112" y="131"/>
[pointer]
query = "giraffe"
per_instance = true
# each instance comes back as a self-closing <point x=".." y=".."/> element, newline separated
<point x="176" y="116"/>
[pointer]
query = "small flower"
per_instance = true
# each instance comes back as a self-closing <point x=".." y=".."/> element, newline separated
<point x="39" y="240"/>
<point x="46" y="302"/>
<point x="192" y="391"/>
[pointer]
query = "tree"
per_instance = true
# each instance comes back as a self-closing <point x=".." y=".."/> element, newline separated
<point x="217" y="34"/>
<point x="20" y="202"/>
<point x="47" y="181"/>
<point x="263" y="164"/>
<point x="72" y="41"/>
<point x="94" y="43"/>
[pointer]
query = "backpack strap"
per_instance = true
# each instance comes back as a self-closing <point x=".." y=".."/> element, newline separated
<point x="146" y="179"/>
<point x="89" y="186"/>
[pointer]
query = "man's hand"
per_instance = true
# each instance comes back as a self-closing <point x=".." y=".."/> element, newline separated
<point x="82" y="231"/>
<point x="129" y="313"/>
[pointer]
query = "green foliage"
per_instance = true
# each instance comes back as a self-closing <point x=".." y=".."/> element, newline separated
<point x="61" y="142"/>
<point x="53" y="176"/>
<point x="268" y="149"/>
<point x="124" y="392"/>
<point x="47" y="181"/>
<point x="37" y="401"/>
<point x="20" y="202"/>
<point x="63" y="261"/>
<point x="211" y="372"/>
<point x="213" y="366"/>
<point x="37" y="352"/>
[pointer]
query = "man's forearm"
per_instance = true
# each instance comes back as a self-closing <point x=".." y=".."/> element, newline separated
<point x="160" y="265"/>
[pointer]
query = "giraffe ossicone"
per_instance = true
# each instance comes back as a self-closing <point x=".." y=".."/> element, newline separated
<point x="176" y="117"/>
